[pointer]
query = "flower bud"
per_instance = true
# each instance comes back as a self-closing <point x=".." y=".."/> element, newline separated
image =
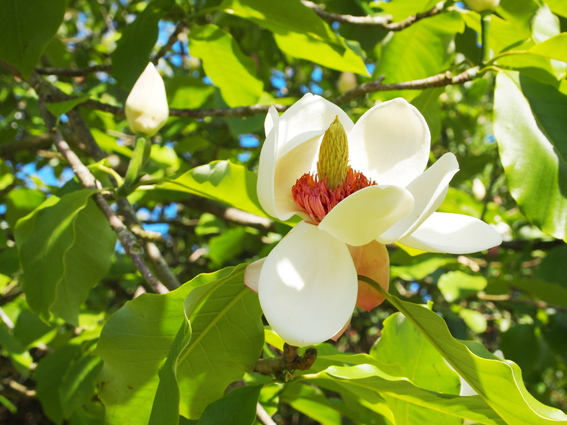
<point x="483" y="5"/>
<point x="146" y="106"/>
<point x="333" y="155"/>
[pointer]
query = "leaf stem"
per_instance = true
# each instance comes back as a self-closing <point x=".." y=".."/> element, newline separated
<point x="484" y="31"/>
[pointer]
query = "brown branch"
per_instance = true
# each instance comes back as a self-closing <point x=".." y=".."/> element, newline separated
<point x="440" y="80"/>
<point x="127" y="239"/>
<point x="170" y="42"/>
<point x="152" y="251"/>
<point x="371" y="21"/>
<point x="529" y="302"/>
<point x="26" y="143"/>
<point x="73" y="72"/>
<point x="229" y="213"/>
<point x="289" y="361"/>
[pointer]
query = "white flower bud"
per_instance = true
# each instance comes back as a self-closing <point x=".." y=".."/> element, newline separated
<point x="146" y="106"/>
<point x="483" y="5"/>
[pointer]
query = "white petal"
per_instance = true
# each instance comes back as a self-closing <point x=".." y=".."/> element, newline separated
<point x="310" y="113"/>
<point x="454" y="234"/>
<point x="428" y="190"/>
<point x="252" y="274"/>
<point x="267" y="168"/>
<point x="146" y="106"/>
<point x="272" y="118"/>
<point x="390" y="143"/>
<point x="308" y="286"/>
<point x="366" y="214"/>
<point x="300" y="160"/>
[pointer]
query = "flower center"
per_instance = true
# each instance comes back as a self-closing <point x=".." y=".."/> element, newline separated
<point x="316" y="199"/>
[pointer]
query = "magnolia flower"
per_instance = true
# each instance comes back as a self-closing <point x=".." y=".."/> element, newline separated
<point x="308" y="285"/>
<point x="483" y="5"/>
<point x="146" y="106"/>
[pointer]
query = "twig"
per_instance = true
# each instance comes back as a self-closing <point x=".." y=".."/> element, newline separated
<point x="170" y="42"/>
<point x="229" y="213"/>
<point x="152" y="251"/>
<point x="146" y="235"/>
<point x="440" y="80"/>
<point x="508" y="298"/>
<point x="73" y="72"/>
<point x="127" y="239"/>
<point x="6" y="320"/>
<point x="371" y="21"/>
<point x="289" y="361"/>
<point x="32" y="143"/>
<point x="532" y="244"/>
<point x="263" y="416"/>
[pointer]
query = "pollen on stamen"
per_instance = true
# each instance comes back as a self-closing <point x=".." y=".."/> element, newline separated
<point x="314" y="197"/>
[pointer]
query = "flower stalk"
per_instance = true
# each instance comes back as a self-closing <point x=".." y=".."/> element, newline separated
<point x="485" y="29"/>
<point x="139" y="158"/>
<point x="290" y="360"/>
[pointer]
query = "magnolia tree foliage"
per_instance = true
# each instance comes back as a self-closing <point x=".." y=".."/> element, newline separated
<point x="155" y="154"/>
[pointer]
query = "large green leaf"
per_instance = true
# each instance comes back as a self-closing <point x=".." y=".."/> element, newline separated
<point x="66" y="379"/>
<point x="366" y="380"/>
<point x="222" y="181"/>
<point x="27" y="28"/>
<point x="553" y="48"/>
<point x="65" y="248"/>
<point x="133" y="50"/>
<point x="226" y="339"/>
<point x="299" y="32"/>
<point x="402" y="343"/>
<point x="238" y="407"/>
<point x="533" y="148"/>
<point x="498" y="382"/>
<point x="420" y="51"/>
<point x="456" y="284"/>
<point x="230" y="70"/>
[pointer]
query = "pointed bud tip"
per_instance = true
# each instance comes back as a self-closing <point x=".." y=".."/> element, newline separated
<point x="146" y="107"/>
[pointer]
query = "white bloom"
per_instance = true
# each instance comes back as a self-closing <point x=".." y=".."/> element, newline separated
<point x="483" y="5"/>
<point x="146" y="106"/>
<point x="308" y="285"/>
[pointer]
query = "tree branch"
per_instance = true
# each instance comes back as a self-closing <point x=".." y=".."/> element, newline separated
<point x="170" y="42"/>
<point x="263" y="416"/>
<point x="509" y="298"/>
<point x="440" y="80"/>
<point x="371" y="21"/>
<point x="73" y="72"/>
<point x="127" y="239"/>
<point x="289" y="361"/>
<point x="229" y="213"/>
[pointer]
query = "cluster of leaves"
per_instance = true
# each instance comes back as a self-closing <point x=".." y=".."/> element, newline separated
<point x="80" y="345"/>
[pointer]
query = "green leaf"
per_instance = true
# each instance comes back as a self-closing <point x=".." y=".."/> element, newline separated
<point x="238" y="407"/>
<point x="299" y="32"/>
<point x="60" y="108"/>
<point x="65" y="248"/>
<point x="227" y="245"/>
<point x="221" y="181"/>
<point x="403" y="344"/>
<point x="227" y="337"/>
<point x="230" y="70"/>
<point x="420" y="51"/>
<point x="559" y="7"/>
<point x="456" y="285"/>
<point x="474" y="320"/>
<point x="499" y="383"/>
<point x="133" y="50"/>
<point x="553" y="267"/>
<point x="365" y="380"/>
<point x="187" y="92"/>
<point x="20" y="202"/>
<point x="549" y="292"/>
<point x="66" y="379"/>
<point x="519" y="13"/>
<point x="428" y="104"/>
<point x="27" y="27"/>
<point x="533" y="148"/>
<point x="553" y="48"/>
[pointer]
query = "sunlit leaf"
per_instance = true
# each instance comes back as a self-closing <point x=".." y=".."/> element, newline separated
<point x="533" y="148"/>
